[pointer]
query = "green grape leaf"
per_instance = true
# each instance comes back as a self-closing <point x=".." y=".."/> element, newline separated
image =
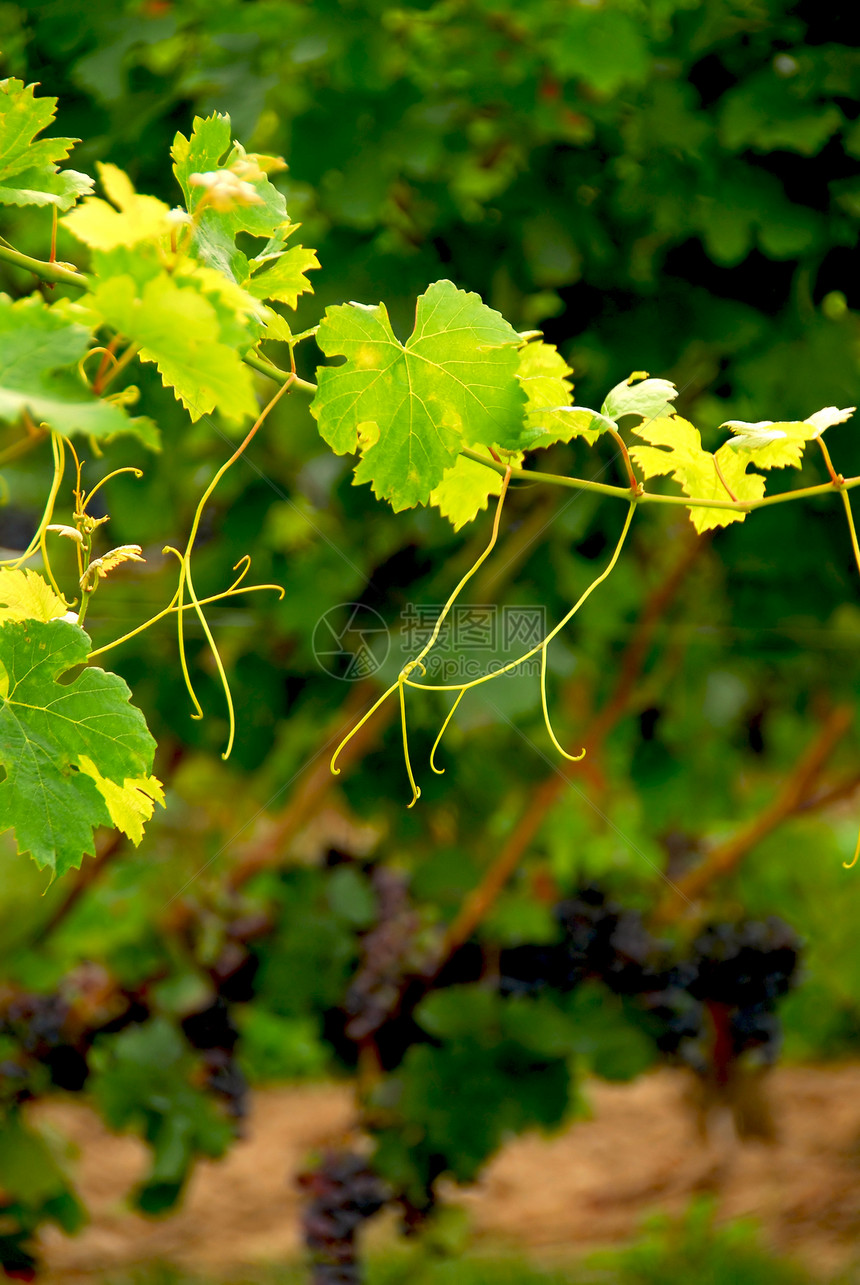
<point x="466" y="487"/>
<point x="648" y="397"/>
<point x="185" y="324"/>
<point x="143" y="1082"/>
<point x="282" y="277"/>
<point x="676" y="449"/>
<point x="40" y="348"/>
<point x="25" y="595"/>
<point x="766" y="113"/>
<point x="409" y="408"/>
<point x="136" y="218"/>
<point x="28" y="167"/>
<point x="47" y="727"/>
<point x="277" y="328"/>
<point x="262" y="212"/>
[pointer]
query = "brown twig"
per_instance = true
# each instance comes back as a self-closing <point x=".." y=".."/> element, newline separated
<point x="106" y="850"/>
<point x="635" y="484"/>
<point x="836" y="478"/>
<point x="546" y="794"/>
<point x="314" y="784"/>
<point x="725" y="484"/>
<point x="726" y="856"/>
<point x="833" y="794"/>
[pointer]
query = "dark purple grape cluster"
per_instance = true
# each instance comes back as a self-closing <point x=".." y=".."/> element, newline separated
<point x="732" y="977"/>
<point x="235" y="970"/>
<point x="16" y="1261"/>
<point x="213" y="1033"/>
<point x="744" y="969"/>
<point x="387" y="952"/>
<point x="47" y="1032"/>
<point x="344" y="1192"/>
<point x="599" y="940"/>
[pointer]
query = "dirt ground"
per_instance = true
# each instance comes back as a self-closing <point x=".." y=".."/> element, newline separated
<point x="587" y="1187"/>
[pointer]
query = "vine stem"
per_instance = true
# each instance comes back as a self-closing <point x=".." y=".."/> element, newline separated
<point x="54" y="273"/>
<point x="847" y="504"/>
<point x="66" y="275"/>
<point x="266" y="367"/>
<point x="635" y="484"/>
<point x="650" y="497"/>
<point x="836" y="478"/>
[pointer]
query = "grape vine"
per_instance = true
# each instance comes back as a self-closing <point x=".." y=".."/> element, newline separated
<point x="431" y="420"/>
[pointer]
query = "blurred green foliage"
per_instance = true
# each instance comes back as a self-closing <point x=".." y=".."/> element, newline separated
<point x="658" y="185"/>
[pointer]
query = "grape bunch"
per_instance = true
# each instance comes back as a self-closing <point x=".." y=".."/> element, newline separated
<point x="212" y="1032"/>
<point x="386" y="955"/>
<point x="344" y="1192"/>
<point x="234" y="971"/>
<point x="598" y="940"/>
<point x="704" y="1007"/>
<point x="16" y="1261"/>
<point x="742" y="970"/>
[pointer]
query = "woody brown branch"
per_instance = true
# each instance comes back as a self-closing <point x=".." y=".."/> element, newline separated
<point x="792" y="798"/>
<point x="547" y="793"/>
<point x="314" y="784"/>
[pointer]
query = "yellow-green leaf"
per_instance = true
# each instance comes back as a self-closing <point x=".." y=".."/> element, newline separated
<point x="179" y="329"/>
<point x="466" y="487"/>
<point x="131" y="804"/>
<point x="676" y="450"/>
<point x="25" y="595"/>
<point x="283" y="278"/>
<point x="781" y="444"/>
<point x="136" y="218"/>
<point x="28" y="166"/>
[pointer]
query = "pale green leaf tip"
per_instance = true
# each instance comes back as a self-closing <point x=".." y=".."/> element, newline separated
<point x="829" y="416"/>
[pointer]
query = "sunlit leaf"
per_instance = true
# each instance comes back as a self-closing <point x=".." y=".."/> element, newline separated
<point x="408" y="407"/>
<point x="179" y="327"/>
<point x="131" y="804"/>
<point x="283" y="278"/>
<point x="549" y="417"/>
<point x="29" y="174"/>
<point x="676" y="450"/>
<point x="136" y="218"/>
<point x="648" y="397"/>
<point x="46" y="727"/>
<point x="25" y="595"/>
<point x="40" y="348"/>
<point x="466" y="487"/>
